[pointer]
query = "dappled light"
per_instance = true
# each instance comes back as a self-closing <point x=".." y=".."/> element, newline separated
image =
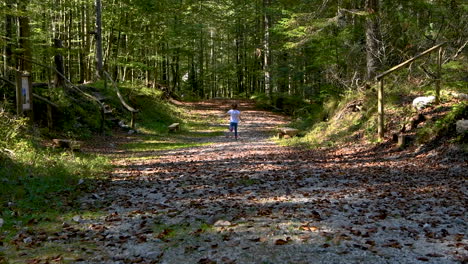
<point x="251" y="200"/>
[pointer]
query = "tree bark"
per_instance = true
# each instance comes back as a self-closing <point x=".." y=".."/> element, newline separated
<point x="58" y="59"/>
<point x="8" y="62"/>
<point x="266" y="47"/>
<point x="99" y="63"/>
<point x="373" y="39"/>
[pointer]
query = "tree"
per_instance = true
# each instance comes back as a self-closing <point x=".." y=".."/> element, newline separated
<point x="98" y="35"/>
<point x="373" y="38"/>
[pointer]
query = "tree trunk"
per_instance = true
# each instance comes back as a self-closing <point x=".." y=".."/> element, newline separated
<point x="372" y="38"/>
<point x="201" y="77"/>
<point x="24" y="42"/>
<point x="99" y="63"/>
<point x="25" y="65"/>
<point x="58" y="59"/>
<point x="8" y="62"/>
<point x="266" y="47"/>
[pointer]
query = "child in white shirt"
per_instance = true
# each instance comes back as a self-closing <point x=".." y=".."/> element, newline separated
<point x="235" y="118"/>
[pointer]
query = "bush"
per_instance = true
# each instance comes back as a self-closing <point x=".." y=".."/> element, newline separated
<point x="10" y="130"/>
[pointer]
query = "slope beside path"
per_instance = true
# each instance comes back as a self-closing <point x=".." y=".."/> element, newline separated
<point x="252" y="201"/>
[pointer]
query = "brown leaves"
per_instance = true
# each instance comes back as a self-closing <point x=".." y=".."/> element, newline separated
<point x="164" y="234"/>
<point x="114" y="217"/>
<point x="281" y="242"/>
<point x="206" y="261"/>
<point x="393" y="244"/>
<point x="308" y="227"/>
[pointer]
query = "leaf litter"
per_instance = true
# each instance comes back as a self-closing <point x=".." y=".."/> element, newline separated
<point x="252" y="201"/>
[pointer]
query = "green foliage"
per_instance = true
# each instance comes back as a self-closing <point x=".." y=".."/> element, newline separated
<point x="10" y="131"/>
<point x="38" y="182"/>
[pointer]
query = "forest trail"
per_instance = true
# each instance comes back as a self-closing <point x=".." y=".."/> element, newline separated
<point x="252" y="201"/>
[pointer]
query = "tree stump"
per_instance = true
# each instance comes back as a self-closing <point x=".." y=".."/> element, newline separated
<point x="67" y="144"/>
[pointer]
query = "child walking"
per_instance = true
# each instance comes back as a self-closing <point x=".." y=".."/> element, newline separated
<point x="234" y="120"/>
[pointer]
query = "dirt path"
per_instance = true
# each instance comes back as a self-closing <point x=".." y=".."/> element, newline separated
<point x="251" y="201"/>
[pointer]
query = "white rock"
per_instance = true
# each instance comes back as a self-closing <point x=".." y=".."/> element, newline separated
<point x="423" y="101"/>
<point x="460" y="95"/>
<point x="462" y="126"/>
<point x="1" y="222"/>
<point x="77" y="218"/>
<point x="81" y="181"/>
<point x="222" y="223"/>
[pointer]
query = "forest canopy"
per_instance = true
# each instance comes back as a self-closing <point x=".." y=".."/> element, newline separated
<point x="206" y="49"/>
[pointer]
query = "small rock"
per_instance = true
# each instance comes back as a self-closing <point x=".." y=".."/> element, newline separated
<point x="77" y="218"/>
<point x="1" y="222"/>
<point x="222" y="223"/>
<point x="462" y="126"/>
<point x="28" y="240"/>
<point x="81" y="181"/>
<point x="131" y="132"/>
<point x="422" y="102"/>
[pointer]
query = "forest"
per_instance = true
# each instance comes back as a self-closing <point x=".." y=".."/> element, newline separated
<point x="207" y="49"/>
<point x="109" y="111"/>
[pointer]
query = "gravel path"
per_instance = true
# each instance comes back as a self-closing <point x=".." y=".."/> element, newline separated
<point x="251" y="201"/>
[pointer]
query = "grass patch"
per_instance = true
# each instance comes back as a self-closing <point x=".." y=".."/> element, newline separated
<point x="43" y="183"/>
<point x="181" y="231"/>
<point x="38" y="187"/>
<point x="155" y="145"/>
<point x="48" y="252"/>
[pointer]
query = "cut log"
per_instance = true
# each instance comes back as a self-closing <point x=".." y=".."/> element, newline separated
<point x="174" y="127"/>
<point x="287" y="131"/>
<point x="67" y="143"/>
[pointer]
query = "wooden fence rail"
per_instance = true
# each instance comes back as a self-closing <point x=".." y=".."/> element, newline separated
<point x="380" y="79"/>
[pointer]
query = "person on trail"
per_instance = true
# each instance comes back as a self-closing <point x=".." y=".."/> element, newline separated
<point x="234" y="120"/>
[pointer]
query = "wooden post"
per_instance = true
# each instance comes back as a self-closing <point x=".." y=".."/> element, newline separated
<point x="19" y="95"/>
<point x="439" y="76"/>
<point x="24" y="94"/>
<point x="380" y="108"/>
<point x="381" y="76"/>
<point x="103" y="119"/>
<point x="132" y="122"/>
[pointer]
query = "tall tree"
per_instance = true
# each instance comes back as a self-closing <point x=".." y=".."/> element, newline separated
<point x="373" y="38"/>
<point x="266" y="47"/>
<point x="98" y="34"/>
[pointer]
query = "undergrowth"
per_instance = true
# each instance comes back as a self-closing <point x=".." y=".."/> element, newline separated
<point x="445" y="126"/>
<point x="352" y="117"/>
<point x="39" y="182"/>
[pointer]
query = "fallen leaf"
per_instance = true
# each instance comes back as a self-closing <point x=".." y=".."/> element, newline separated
<point x="309" y="228"/>
<point x="392" y="244"/>
<point x="206" y="261"/>
<point x="281" y="242"/>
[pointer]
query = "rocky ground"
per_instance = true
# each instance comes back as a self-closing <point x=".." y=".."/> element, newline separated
<point x="252" y="201"/>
